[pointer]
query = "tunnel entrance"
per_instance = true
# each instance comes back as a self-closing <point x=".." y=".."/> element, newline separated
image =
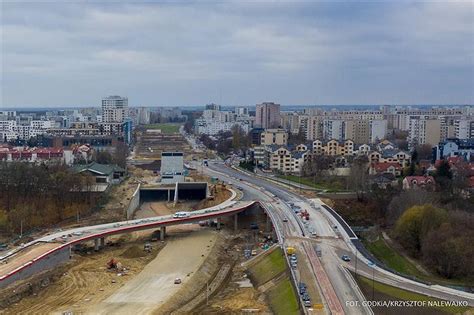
<point x="185" y="191"/>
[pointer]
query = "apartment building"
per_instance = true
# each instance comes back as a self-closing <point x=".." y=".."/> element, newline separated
<point x="290" y="121"/>
<point x="274" y="136"/>
<point x="333" y="129"/>
<point x="357" y="130"/>
<point x="378" y="130"/>
<point x="315" y="128"/>
<point x="267" y="115"/>
<point x="464" y="128"/>
<point x="424" y="131"/>
<point x="455" y="147"/>
<point x="390" y="156"/>
<point x="333" y="147"/>
<point x="114" y="109"/>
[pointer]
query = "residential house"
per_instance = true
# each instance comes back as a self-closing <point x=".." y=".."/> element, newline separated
<point x="385" y="168"/>
<point x="419" y="182"/>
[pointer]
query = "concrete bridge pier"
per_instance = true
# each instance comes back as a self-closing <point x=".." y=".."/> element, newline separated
<point x="96" y="244"/>
<point x="218" y="223"/>
<point x="162" y="233"/>
<point x="102" y="242"/>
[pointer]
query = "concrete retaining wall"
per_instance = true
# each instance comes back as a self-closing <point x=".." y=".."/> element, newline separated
<point x="48" y="262"/>
<point x="134" y="203"/>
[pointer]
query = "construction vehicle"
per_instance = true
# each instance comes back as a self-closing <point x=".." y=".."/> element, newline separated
<point x="290" y="250"/>
<point x="112" y="264"/>
<point x="304" y="214"/>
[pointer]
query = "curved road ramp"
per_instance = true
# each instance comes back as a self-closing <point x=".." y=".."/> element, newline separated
<point x="50" y="251"/>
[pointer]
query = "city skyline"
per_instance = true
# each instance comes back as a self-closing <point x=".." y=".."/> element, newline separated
<point x="73" y="54"/>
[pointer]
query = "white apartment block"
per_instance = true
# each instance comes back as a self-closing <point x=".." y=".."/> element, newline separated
<point x="114" y="109"/>
<point x="333" y="129"/>
<point x="464" y="128"/>
<point x="378" y="130"/>
<point x="210" y="127"/>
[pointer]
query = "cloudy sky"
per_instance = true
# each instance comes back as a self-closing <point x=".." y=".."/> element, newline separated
<point x="72" y="53"/>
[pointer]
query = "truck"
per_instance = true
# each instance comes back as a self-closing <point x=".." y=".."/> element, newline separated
<point x="290" y="250"/>
<point x="304" y="214"/>
<point x="205" y="163"/>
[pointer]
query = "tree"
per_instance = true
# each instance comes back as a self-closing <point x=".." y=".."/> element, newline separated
<point x="103" y="157"/>
<point x="424" y="152"/>
<point x="316" y="164"/>
<point x="444" y="176"/>
<point x="407" y="199"/>
<point x="359" y="176"/>
<point x="417" y="222"/>
<point x="121" y="154"/>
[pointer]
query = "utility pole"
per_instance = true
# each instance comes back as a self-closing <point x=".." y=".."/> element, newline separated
<point x="21" y="228"/>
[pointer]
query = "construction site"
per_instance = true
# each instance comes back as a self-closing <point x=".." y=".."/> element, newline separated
<point x="198" y="268"/>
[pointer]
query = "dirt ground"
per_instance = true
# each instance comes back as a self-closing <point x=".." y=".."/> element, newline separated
<point x="87" y="281"/>
<point x="151" y="288"/>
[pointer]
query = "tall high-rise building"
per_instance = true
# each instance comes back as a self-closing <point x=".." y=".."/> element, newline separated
<point x="315" y="128"/>
<point x="357" y="131"/>
<point x="464" y="128"/>
<point x="114" y="109"/>
<point x="424" y="131"/>
<point x="267" y="115"/>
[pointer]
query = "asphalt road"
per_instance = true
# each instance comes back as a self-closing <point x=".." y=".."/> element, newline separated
<point x="326" y="225"/>
<point x="279" y="199"/>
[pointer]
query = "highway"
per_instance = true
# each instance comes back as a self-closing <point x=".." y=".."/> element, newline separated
<point x="326" y="223"/>
<point x="297" y="233"/>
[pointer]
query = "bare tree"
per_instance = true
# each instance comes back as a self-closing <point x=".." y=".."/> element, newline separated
<point x="358" y="180"/>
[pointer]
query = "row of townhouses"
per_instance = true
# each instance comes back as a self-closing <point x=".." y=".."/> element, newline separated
<point x="290" y="159"/>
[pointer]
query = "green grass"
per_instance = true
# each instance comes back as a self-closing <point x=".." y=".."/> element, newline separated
<point x="392" y="259"/>
<point x="165" y="128"/>
<point x="283" y="299"/>
<point x="269" y="267"/>
<point x="399" y="294"/>
<point x="330" y="186"/>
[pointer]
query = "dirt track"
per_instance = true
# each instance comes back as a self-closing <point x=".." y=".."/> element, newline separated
<point x="86" y="282"/>
<point x="155" y="284"/>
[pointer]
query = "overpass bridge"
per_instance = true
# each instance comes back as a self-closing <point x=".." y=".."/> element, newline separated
<point x="51" y="250"/>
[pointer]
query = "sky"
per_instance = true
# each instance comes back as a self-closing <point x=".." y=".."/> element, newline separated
<point x="72" y="53"/>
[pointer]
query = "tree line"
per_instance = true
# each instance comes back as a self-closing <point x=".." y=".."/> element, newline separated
<point x="33" y="195"/>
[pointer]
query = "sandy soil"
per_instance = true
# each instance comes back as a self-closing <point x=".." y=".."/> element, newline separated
<point x="86" y="282"/>
<point x="155" y="284"/>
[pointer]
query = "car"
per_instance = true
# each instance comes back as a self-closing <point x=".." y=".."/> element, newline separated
<point x="345" y="258"/>
<point x="64" y="237"/>
<point x="313" y="234"/>
<point x="177" y="281"/>
<point x="307" y="303"/>
<point x="253" y="226"/>
<point x="305" y="297"/>
<point x="77" y="233"/>
<point x="285" y="219"/>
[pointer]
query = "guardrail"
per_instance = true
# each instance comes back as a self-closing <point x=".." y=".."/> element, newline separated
<point x="131" y="226"/>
